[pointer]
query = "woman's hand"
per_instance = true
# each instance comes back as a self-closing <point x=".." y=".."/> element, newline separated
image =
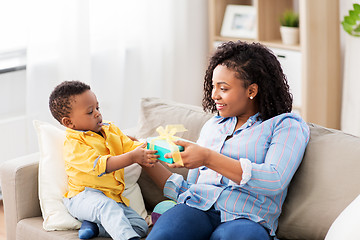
<point x="193" y="155"/>
<point x="143" y="156"/>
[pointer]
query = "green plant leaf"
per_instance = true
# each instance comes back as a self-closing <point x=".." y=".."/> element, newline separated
<point x="289" y="19"/>
<point x="349" y="20"/>
<point x="356" y="7"/>
<point x="354" y="15"/>
<point x="357" y="29"/>
<point x="350" y="23"/>
<point x="347" y="27"/>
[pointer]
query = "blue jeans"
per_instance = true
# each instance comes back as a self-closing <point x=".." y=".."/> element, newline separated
<point x="184" y="222"/>
<point x="114" y="220"/>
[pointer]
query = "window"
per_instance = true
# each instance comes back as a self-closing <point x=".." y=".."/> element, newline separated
<point x="13" y="40"/>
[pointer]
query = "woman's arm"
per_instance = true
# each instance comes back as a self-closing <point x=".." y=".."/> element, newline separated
<point x="196" y="156"/>
<point x="289" y="139"/>
<point x="158" y="173"/>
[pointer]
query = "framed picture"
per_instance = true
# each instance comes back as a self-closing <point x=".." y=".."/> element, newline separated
<point x="239" y="22"/>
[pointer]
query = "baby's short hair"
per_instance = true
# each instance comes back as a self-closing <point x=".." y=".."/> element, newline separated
<point x="61" y="97"/>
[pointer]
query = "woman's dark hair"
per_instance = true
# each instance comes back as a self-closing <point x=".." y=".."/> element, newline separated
<point x="60" y="99"/>
<point x="253" y="63"/>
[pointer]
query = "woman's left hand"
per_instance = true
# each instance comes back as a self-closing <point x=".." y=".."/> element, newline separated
<point x="193" y="155"/>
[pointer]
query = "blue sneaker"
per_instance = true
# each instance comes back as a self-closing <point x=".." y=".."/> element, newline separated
<point x="88" y="230"/>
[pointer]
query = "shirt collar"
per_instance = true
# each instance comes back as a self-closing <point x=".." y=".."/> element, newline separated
<point x="251" y="119"/>
<point x="84" y="132"/>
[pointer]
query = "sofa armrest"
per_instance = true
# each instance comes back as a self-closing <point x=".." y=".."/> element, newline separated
<point x="19" y="183"/>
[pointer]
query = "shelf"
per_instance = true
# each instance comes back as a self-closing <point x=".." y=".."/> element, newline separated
<point x="318" y="50"/>
<point x="274" y="43"/>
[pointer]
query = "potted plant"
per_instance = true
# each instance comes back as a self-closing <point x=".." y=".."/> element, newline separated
<point x="289" y="28"/>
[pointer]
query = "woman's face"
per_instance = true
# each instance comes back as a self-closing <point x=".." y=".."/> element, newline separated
<point x="230" y="96"/>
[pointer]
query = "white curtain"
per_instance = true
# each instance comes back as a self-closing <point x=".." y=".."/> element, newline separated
<point x="124" y="49"/>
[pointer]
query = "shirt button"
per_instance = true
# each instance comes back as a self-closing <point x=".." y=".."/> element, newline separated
<point x="107" y="143"/>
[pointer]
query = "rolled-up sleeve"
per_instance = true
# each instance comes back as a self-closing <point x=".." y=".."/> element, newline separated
<point x="174" y="186"/>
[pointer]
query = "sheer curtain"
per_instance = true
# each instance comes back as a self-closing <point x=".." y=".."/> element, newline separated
<point x="124" y="49"/>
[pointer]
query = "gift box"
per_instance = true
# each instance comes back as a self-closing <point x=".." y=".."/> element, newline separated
<point x="162" y="147"/>
<point x="164" y="143"/>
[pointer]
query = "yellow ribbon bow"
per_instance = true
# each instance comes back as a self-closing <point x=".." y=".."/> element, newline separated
<point x="167" y="134"/>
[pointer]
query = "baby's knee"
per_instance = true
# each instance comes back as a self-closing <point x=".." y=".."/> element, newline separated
<point x="140" y="227"/>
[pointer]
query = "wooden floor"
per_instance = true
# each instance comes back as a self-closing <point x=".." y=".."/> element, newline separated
<point x="2" y="222"/>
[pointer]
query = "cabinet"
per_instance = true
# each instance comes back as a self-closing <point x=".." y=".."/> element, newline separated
<point x="312" y="66"/>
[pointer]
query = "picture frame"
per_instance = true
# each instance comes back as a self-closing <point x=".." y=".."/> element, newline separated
<point x="239" y="22"/>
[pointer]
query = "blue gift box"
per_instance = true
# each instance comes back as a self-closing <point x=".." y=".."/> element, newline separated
<point x="162" y="147"/>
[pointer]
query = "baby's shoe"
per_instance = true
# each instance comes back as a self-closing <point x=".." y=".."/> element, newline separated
<point x="88" y="230"/>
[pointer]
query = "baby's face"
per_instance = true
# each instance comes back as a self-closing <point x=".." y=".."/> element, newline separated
<point x="85" y="114"/>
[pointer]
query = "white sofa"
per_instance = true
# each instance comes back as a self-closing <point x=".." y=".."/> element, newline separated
<point x="326" y="182"/>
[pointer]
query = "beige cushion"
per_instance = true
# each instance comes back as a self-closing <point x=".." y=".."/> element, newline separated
<point x="326" y="182"/>
<point x="157" y="112"/>
<point x="31" y="228"/>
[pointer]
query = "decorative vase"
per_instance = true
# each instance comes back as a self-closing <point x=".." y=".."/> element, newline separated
<point x="289" y="35"/>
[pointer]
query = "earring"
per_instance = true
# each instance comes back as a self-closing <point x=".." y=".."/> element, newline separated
<point x="251" y="97"/>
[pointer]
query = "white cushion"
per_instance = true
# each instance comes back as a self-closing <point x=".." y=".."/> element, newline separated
<point x="132" y="190"/>
<point x="53" y="180"/>
<point x="136" y="199"/>
<point x="346" y="225"/>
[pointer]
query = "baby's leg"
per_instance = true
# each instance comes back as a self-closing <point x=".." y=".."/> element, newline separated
<point x="92" y="205"/>
<point x="137" y="222"/>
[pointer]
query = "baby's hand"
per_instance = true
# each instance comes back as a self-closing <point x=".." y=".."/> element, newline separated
<point x="144" y="156"/>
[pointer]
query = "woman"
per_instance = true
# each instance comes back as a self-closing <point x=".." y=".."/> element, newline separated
<point x="245" y="157"/>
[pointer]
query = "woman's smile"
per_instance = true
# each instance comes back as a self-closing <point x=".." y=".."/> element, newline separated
<point x="220" y="106"/>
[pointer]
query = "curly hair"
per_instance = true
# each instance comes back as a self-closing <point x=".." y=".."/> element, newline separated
<point x="252" y="63"/>
<point x="61" y="97"/>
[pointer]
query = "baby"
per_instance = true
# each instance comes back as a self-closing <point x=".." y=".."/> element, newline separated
<point x="95" y="154"/>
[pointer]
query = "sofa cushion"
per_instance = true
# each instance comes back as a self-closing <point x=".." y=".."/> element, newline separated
<point x="31" y="228"/>
<point x="52" y="178"/>
<point x="155" y="112"/>
<point x="325" y="183"/>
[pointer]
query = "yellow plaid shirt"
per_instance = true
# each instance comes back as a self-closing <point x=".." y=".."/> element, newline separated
<point x="85" y="155"/>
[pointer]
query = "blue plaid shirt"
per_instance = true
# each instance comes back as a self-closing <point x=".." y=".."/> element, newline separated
<point x="269" y="151"/>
